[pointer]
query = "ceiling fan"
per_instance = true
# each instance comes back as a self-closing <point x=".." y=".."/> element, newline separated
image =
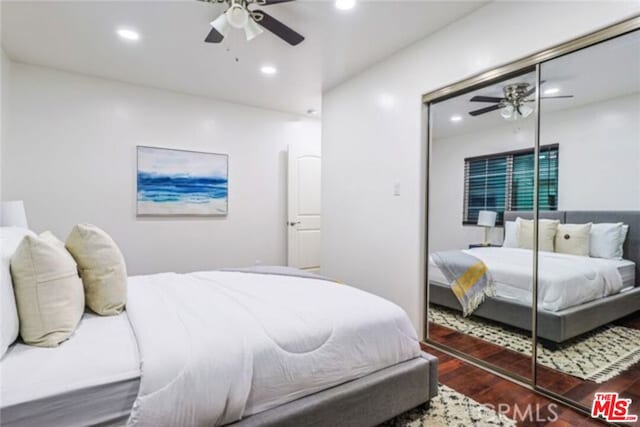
<point x="239" y="15"/>
<point x="514" y="102"/>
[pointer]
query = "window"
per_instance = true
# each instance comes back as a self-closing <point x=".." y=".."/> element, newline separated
<point x="504" y="182"/>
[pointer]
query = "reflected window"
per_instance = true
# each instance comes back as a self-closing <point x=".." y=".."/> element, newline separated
<point x="485" y="186"/>
<point x="505" y="182"/>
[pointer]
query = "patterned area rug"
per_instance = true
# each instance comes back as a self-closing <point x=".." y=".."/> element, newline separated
<point x="450" y="409"/>
<point x="596" y="356"/>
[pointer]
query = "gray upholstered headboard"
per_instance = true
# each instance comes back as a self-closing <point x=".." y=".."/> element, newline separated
<point x="512" y="215"/>
<point x="632" y="218"/>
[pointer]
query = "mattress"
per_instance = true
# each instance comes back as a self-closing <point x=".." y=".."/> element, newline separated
<point x="91" y="378"/>
<point x="514" y="290"/>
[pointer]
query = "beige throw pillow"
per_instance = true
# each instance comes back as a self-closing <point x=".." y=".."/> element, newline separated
<point x="48" y="291"/>
<point x="573" y="239"/>
<point x="546" y="234"/>
<point x="102" y="268"/>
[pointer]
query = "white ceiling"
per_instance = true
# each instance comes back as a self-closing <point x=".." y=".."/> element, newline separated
<point x="80" y="36"/>
<point x="601" y="72"/>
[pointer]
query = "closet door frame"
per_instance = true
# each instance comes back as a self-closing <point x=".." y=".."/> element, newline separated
<point x="524" y="65"/>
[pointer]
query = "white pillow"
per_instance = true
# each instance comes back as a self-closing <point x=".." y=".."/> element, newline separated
<point x="607" y="240"/>
<point x="625" y="230"/>
<point x="573" y="239"/>
<point x="511" y="234"/>
<point x="10" y="238"/>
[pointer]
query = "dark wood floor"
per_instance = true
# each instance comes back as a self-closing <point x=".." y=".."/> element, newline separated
<point x="490" y="389"/>
<point x="487" y="388"/>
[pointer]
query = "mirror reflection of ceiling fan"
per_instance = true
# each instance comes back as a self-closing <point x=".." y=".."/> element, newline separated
<point x="514" y="102"/>
<point x="239" y="15"/>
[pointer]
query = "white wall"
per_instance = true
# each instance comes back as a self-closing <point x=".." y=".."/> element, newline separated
<point x="5" y="75"/>
<point x="372" y="137"/>
<point x="599" y="156"/>
<point x="71" y="156"/>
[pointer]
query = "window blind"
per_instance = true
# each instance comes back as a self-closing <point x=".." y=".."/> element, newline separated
<point x="505" y="181"/>
<point x="486" y="185"/>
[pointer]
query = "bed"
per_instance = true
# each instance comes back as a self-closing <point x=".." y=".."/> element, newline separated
<point x="226" y="347"/>
<point x="567" y="306"/>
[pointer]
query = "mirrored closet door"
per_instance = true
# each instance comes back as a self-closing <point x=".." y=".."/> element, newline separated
<point x="588" y="324"/>
<point x="481" y="170"/>
<point x="546" y="147"/>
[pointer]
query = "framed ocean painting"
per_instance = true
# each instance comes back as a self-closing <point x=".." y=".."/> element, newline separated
<point x="180" y="182"/>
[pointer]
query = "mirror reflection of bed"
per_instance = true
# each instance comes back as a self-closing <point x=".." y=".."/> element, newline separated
<point x="480" y="288"/>
<point x="588" y="320"/>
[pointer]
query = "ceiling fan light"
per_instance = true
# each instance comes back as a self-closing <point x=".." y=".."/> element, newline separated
<point x="507" y="112"/>
<point x="252" y="30"/>
<point x="525" y="110"/>
<point x="221" y="24"/>
<point x="237" y="15"/>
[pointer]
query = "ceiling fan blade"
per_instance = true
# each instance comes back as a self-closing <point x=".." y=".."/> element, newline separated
<point x="481" y="98"/>
<point x="270" y="2"/>
<point x="278" y="28"/>
<point x="214" y="36"/>
<point x="533" y="89"/>
<point x="559" y="96"/>
<point x="485" y="110"/>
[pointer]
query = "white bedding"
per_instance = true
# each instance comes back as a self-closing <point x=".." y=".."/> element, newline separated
<point x="563" y="280"/>
<point x="101" y="351"/>
<point x="219" y="346"/>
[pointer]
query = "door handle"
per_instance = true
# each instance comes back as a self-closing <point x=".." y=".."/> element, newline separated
<point x="293" y="224"/>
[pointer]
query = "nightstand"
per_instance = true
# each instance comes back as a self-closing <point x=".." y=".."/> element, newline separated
<point x="481" y="245"/>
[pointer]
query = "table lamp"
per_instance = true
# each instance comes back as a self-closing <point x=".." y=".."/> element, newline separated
<point x="12" y="214"/>
<point x="487" y="219"/>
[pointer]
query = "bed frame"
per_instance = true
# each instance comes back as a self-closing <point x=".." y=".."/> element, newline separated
<point x="557" y="327"/>
<point x="366" y="401"/>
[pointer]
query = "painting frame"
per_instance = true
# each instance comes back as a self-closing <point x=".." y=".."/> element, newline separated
<point x="146" y="207"/>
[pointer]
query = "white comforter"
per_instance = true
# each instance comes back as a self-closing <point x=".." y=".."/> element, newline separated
<point x="219" y="346"/>
<point x="563" y="280"/>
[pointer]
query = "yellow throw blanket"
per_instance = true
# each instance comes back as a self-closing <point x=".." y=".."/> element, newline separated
<point x="468" y="277"/>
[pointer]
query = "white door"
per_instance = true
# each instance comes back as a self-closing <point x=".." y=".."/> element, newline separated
<point x="303" y="221"/>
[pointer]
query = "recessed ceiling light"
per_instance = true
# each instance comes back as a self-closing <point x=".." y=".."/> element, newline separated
<point x="551" y="91"/>
<point x="345" y="4"/>
<point x="456" y="118"/>
<point x="386" y="101"/>
<point x="128" y="34"/>
<point x="268" y="70"/>
<point x="312" y="112"/>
